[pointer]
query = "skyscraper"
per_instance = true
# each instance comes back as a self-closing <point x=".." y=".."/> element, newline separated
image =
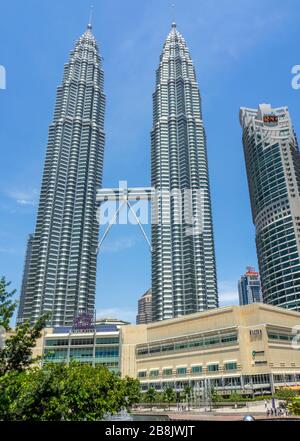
<point x="273" y="169"/>
<point x="145" y="309"/>
<point x="62" y="269"/>
<point x="183" y="261"/>
<point x="249" y="287"/>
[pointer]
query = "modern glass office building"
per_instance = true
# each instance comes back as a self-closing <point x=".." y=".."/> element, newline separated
<point x="183" y="257"/>
<point x="249" y="287"/>
<point x="60" y="277"/>
<point x="273" y="169"/>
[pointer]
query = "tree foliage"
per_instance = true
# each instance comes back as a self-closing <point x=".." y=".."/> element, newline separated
<point x="285" y="394"/>
<point x="7" y="305"/>
<point x="57" y="392"/>
<point x="17" y="352"/>
<point x="169" y="395"/>
<point x="187" y="393"/>
<point x="132" y="390"/>
<point x="150" y="396"/>
<point x="294" y="406"/>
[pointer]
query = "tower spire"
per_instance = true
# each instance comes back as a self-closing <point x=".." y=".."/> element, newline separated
<point x="90" y="23"/>
<point x="173" y="16"/>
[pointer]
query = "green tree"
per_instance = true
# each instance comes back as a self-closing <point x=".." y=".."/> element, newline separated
<point x="132" y="390"/>
<point x="187" y="395"/>
<point x="234" y="397"/>
<point x="169" y="396"/>
<point x="294" y="406"/>
<point x="285" y="394"/>
<point x="151" y="396"/>
<point x="17" y="352"/>
<point x="56" y="392"/>
<point x="7" y="305"/>
<point x="216" y="397"/>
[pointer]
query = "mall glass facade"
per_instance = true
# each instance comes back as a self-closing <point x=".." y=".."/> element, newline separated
<point x="94" y="348"/>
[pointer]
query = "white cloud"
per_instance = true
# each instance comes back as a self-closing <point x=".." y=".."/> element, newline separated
<point x="228" y="293"/>
<point x="24" y="197"/>
<point x="128" y="315"/>
<point x="228" y="298"/>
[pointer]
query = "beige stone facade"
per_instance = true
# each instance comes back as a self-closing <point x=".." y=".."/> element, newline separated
<point x="252" y="349"/>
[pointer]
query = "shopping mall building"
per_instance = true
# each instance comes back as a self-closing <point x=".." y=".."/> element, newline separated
<point x="252" y="349"/>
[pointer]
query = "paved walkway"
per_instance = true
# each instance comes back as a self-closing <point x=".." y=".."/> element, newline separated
<point x="221" y="417"/>
<point x="256" y="409"/>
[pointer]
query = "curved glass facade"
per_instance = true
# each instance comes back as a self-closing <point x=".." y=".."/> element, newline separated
<point x="272" y="162"/>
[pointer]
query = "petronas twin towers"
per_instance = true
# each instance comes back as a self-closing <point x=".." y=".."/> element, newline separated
<point x="60" y="269"/>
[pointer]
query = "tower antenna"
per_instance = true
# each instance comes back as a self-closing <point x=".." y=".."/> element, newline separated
<point x="173" y="13"/>
<point x="90" y="24"/>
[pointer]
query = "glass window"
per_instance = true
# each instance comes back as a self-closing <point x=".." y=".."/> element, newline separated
<point x="107" y="352"/>
<point x="57" y="342"/>
<point x="107" y="340"/>
<point x="213" y="367"/>
<point x="82" y="341"/>
<point x="230" y="366"/>
<point x="196" y="369"/>
<point x="181" y="371"/>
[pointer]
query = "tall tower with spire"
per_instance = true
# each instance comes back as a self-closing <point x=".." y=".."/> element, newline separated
<point x="61" y="274"/>
<point x="183" y="258"/>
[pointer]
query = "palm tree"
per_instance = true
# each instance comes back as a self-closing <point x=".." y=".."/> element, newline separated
<point x="169" y="396"/>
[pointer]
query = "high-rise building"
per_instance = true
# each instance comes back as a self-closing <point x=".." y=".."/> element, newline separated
<point x="249" y="287"/>
<point x="183" y="258"/>
<point x="145" y="309"/>
<point x="62" y="269"/>
<point x="273" y="169"/>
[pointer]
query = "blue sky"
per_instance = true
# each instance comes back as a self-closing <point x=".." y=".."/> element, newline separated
<point x="243" y="53"/>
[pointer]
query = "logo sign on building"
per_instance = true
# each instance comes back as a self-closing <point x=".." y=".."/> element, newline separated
<point x="255" y="332"/>
<point x="83" y="322"/>
<point x="270" y="119"/>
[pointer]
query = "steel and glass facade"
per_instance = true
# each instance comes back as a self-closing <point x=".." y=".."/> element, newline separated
<point x="273" y="169"/>
<point x="183" y="262"/>
<point x="61" y="277"/>
<point x="94" y="347"/>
